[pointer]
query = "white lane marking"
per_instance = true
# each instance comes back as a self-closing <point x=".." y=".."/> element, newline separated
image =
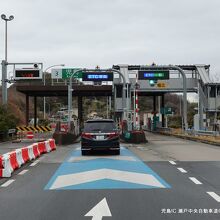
<point x="100" y="210"/>
<point x="34" y="163"/>
<point x="94" y="175"/>
<point x="182" y="170"/>
<point x="172" y="162"/>
<point x="84" y="158"/>
<point x="195" y="180"/>
<point x="214" y="196"/>
<point x="23" y="172"/>
<point x="7" y="183"/>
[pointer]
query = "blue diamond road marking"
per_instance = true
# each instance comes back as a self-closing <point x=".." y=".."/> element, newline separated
<point x="105" y="173"/>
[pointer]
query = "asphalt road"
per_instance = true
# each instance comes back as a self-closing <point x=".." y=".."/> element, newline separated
<point x="149" y="181"/>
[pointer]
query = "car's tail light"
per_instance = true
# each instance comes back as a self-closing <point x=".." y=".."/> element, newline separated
<point x="86" y="135"/>
<point x="112" y="135"/>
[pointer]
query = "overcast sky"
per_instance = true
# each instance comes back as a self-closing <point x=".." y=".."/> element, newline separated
<point x="86" y="33"/>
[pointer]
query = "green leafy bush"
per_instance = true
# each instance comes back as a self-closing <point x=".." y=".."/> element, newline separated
<point x="8" y="119"/>
<point x="175" y="121"/>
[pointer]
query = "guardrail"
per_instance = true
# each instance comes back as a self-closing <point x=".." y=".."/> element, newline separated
<point x="164" y="129"/>
<point x="203" y="132"/>
<point x="159" y="129"/>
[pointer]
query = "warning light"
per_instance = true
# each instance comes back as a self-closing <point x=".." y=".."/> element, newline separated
<point x="152" y="82"/>
<point x="161" y="85"/>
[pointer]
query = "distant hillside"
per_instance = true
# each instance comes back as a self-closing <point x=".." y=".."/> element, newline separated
<point x="16" y="102"/>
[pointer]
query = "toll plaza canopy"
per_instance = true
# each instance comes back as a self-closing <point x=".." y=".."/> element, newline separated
<point x="62" y="90"/>
<point x="39" y="90"/>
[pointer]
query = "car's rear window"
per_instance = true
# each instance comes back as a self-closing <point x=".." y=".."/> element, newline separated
<point x="99" y="126"/>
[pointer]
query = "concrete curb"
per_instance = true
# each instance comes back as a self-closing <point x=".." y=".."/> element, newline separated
<point x="191" y="138"/>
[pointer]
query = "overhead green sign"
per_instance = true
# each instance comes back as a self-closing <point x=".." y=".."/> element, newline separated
<point x="66" y="73"/>
<point x="166" y="111"/>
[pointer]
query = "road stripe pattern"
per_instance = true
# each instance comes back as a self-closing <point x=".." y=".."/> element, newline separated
<point x="7" y="183"/>
<point x="23" y="172"/>
<point x="182" y="170"/>
<point x="215" y="196"/>
<point x="125" y="171"/>
<point x="196" y="181"/>
<point x="34" y="163"/>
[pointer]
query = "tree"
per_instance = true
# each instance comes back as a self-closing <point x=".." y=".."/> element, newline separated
<point x="7" y="119"/>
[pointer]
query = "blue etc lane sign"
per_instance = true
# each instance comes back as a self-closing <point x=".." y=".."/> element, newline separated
<point x="153" y="74"/>
<point x="97" y="76"/>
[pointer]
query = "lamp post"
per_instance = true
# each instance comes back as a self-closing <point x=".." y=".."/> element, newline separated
<point x="44" y="81"/>
<point x="4" y="62"/>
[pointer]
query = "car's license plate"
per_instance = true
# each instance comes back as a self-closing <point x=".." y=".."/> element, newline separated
<point x="100" y="137"/>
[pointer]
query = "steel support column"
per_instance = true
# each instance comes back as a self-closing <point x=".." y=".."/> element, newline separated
<point x="4" y="83"/>
<point x="154" y="105"/>
<point x="162" y="105"/>
<point x="27" y="110"/>
<point x="80" y="110"/>
<point x="35" y="110"/>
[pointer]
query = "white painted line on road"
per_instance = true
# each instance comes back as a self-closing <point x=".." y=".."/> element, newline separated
<point x="214" y="196"/>
<point x="35" y="163"/>
<point x="172" y="162"/>
<point x="182" y="170"/>
<point x="195" y="180"/>
<point x="84" y="158"/>
<point x="7" y="183"/>
<point x="23" y="172"/>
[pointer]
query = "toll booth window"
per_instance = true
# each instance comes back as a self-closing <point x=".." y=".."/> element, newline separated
<point x="212" y="92"/>
<point x="119" y="91"/>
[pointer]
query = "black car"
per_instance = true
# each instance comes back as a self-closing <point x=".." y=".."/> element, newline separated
<point x="99" y="135"/>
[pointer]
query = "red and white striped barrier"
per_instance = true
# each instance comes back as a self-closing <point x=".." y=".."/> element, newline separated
<point x="15" y="159"/>
<point x="42" y="147"/>
<point x="19" y="157"/>
<point x="52" y="144"/>
<point x="35" y="150"/>
<point x="25" y="154"/>
<point x="30" y="151"/>
<point x="47" y="144"/>
<point x="5" y="166"/>
<point x="4" y="162"/>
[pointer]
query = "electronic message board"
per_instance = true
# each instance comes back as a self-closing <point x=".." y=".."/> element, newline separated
<point x="153" y="74"/>
<point x="97" y="76"/>
<point x="27" y="74"/>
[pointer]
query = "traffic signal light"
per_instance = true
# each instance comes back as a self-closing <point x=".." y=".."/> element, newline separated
<point x="152" y="82"/>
